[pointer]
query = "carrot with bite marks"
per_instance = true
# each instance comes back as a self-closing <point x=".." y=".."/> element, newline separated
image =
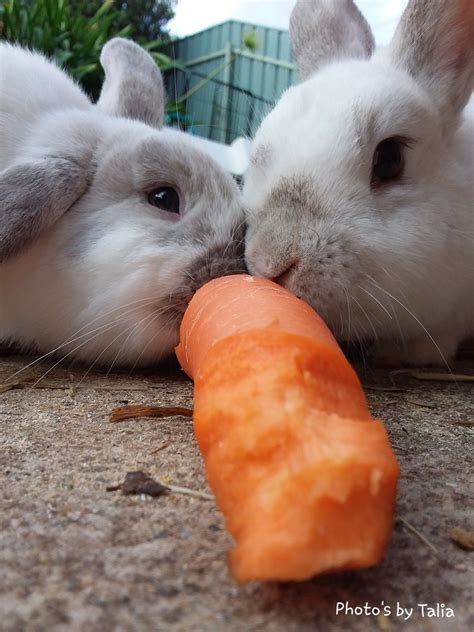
<point x="304" y="476"/>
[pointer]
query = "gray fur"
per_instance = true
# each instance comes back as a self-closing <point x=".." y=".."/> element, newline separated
<point x="262" y="156"/>
<point x="434" y="42"/>
<point x="293" y="193"/>
<point x="225" y="257"/>
<point x="308" y="248"/>
<point x="33" y="196"/>
<point x="322" y="31"/>
<point x="133" y="86"/>
<point x="160" y="159"/>
<point x="115" y="263"/>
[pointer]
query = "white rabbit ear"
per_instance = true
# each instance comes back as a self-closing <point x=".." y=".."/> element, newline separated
<point x="33" y="196"/>
<point x="133" y="86"/>
<point x="325" y="30"/>
<point x="434" y="42"/>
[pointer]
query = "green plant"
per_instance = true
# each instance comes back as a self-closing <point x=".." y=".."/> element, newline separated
<point x="148" y="18"/>
<point x="250" y="40"/>
<point x="68" y="37"/>
<point x="59" y="29"/>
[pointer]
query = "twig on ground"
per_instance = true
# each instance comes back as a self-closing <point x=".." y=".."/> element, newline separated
<point x="64" y="387"/>
<point x="419" y="402"/>
<point x="432" y="376"/>
<point x="383" y="389"/>
<point x="190" y="492"/>
<point x="134" y="411"/>
<point x="419" y="535"/>
<point x="159" y="448"/>
<point x="10" y="387"/>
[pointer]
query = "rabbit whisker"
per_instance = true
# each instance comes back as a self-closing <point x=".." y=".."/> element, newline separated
<point x="367" y="316"/>
<point x="130" y="330"/>
<point x="151" y="319"/>
<point x="73" y="338"/>
<point x="376" y="300"/>
<point x="150" y="341"/>
<point x="411" y="313"/>
<point x="103" y="329"/>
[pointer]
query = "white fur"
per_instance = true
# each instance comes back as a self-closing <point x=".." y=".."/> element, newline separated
<point x="399" y="267"/>
<point x="108" y="281"/>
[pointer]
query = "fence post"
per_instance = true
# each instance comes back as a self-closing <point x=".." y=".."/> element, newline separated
<point x="226" y="104"/>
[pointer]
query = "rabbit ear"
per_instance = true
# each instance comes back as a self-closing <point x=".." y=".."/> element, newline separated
<point x="33" y="196"/>
<point x="133" y="85"/>
<point x="324" y="30"/>
<point x="434" y="42"/>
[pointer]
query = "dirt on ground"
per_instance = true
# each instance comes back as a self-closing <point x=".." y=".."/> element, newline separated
<point x="74" y="556"/>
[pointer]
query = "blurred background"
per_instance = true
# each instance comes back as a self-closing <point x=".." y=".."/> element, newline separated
<point x="225" y="63"/>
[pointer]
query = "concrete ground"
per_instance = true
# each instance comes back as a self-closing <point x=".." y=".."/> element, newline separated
<point x="74" y="556"/>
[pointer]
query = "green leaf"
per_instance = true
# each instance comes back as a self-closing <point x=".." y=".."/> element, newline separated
<point x="125" y="32"/>
<point x="161" y="59"/>
<point x="62" y="57"/>
<point x="104" y="9"/>
<point x="81" y="71"/>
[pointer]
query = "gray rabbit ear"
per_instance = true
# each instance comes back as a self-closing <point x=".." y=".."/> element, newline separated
<point x="33" y="196"/>
<point x="434" y="42"/>
<point x="322" y="31"/>
<point x="133" y="86"/>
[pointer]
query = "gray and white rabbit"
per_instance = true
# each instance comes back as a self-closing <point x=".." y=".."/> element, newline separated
<point x="108" y="221"/>
<point x="359" y="196"/>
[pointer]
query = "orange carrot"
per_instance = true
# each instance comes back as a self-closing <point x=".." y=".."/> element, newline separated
<point x="304" y="476"/>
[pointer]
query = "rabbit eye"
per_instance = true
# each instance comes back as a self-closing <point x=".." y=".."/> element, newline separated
<point x="165" y="198"/>
<point x="388" y="162"/>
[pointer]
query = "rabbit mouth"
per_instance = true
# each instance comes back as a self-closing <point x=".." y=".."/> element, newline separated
<point x="286" y="276"/>
<point x="325" y="291"/>
<point x="199" y="275"/>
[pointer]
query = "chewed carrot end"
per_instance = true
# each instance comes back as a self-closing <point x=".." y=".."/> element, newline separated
<point x="304" y="476"/>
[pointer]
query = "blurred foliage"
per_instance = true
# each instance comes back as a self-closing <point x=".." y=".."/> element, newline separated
<point x="250" y="41"/>
<point x="148" y="18"/>
<point x="64" y="31"/>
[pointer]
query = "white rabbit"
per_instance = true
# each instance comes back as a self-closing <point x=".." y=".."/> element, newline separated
<point x="108" y="222"/>
<point x="359" y="196"/>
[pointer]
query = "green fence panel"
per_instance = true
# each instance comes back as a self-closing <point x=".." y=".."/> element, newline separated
<point x="238" y="94"/>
